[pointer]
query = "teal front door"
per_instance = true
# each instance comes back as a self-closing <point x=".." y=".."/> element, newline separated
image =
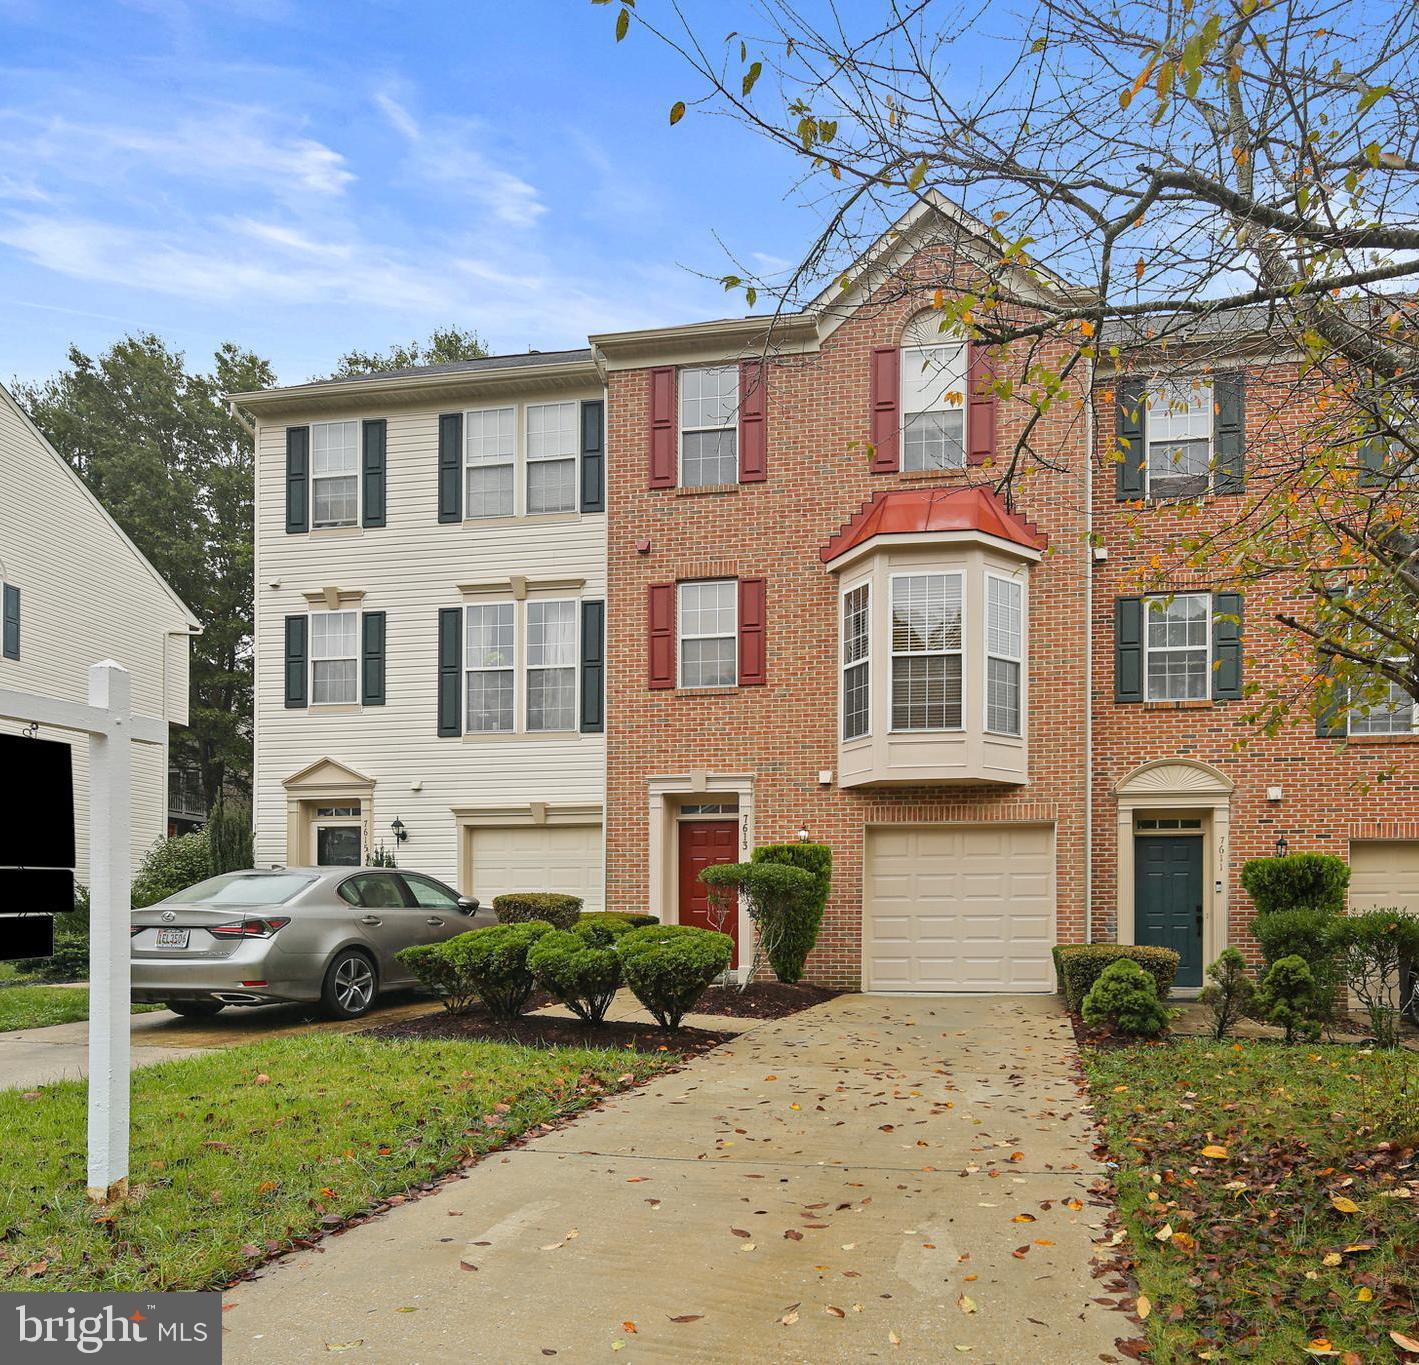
<point x="1167" y="899"/>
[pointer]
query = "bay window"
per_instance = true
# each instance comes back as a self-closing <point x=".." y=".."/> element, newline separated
<point x="1004" y="645"/>
<point x="926" y="651"/>
<point x="857" y="662"/>
<point x="335" y="473"/>
<point x="709" y="435"/>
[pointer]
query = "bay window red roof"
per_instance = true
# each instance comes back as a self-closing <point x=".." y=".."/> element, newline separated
<point x="916" y="511"/>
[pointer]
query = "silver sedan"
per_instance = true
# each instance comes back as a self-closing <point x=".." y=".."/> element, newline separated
<point x="305" y="934"/>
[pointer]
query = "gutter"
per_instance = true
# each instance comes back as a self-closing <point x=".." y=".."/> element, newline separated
<point x="1089" y="662"/>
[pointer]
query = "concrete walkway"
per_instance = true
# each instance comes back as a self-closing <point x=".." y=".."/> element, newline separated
<point x="874" y="1178"/>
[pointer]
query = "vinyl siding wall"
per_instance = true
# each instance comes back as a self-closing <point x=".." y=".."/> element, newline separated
<point x="86" y="595"/>
<point x="409" y="569"/>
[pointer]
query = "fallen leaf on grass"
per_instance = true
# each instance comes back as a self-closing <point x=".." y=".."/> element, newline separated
<point x="1164" y="1233"/>
<point x="1404" y="1343"/>
<point x="1343" y="1205"/>
<point x="1213" y="1150"/>
<point x="1143" y="1307"/>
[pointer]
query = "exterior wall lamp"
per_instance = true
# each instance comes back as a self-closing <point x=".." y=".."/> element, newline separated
<point x="1281" y="847"/>
<point x="399" y="830"/>
<point x="802" y="835"/>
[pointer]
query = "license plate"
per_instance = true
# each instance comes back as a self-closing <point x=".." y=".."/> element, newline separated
<point x="172" y="938"/>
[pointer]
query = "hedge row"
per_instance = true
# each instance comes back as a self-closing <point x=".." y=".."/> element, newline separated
<point x="1079" y="965"/>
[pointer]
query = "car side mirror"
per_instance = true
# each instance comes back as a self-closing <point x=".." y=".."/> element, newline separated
<point x="468" y="904"/>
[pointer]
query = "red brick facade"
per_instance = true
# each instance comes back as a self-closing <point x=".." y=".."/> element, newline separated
<point x="779" y="736"/>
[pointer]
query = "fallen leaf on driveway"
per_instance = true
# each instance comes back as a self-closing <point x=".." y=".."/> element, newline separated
<point x="836" y="1312"/>
<point x="467" y="1265"/>
<point x="789" y="1318"/>
<point x="687" y="1317"/>
<point x="966" y="1304"/>
<point x="793" y="1235"/>
<point x="894" y="1339"/>
<point x="343" y="1345"/>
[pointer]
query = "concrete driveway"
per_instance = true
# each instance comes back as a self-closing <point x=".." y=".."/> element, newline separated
<point x="875" y="1177"/>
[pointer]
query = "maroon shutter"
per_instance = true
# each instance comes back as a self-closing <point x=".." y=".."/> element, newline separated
<point x="886" y="420"/>
<point x="662" y="634"/>
<point x="662" y="427"/>
<point x="980" y="406"/>
<point x="753" y="666"/>
<point x="753" y="433"/>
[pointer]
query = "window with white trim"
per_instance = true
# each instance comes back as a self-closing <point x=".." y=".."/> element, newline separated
<point x="334" y="658"/>
<point x="1179" y="427"/>
<point x="708" y="621"/>
<point x="551" y="457"/>
<point x="551" y="665"/>
<point x="1394" y="714"/>
<point x="489" y="443"/>
<point x="933" y="397"/>
<point x="1005" y="643"/>
<point x="709" y="433"/>
<point x="857" y="662"/>
<point x="926" y="651"/>
<point x="1177" y="647"/>
<point x="490" y="667"/>
<point x="334" y="474"/>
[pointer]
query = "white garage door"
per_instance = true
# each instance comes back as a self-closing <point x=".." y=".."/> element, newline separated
<point x="959" y="908"/>
<point x="537" y="858"/>
<point x="1384" y="872"/>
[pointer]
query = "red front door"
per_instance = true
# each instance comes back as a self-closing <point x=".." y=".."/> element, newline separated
<point x="703" y="843"/>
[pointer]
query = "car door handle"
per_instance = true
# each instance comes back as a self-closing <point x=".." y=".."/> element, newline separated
<point x="369" y="919"/>
<point x="434" y="920"/>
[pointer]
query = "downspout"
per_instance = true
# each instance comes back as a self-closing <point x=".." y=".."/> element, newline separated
<point x="1089" y="658"/>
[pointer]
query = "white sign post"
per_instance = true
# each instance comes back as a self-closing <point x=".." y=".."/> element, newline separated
<point x="111" y="726"/>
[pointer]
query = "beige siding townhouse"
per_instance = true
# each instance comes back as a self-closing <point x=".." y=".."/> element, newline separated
<point x="430" y="590"/>
<point x="75" y="591"/>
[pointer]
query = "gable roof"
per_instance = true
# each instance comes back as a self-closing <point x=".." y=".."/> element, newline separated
<point x="40" y="440"/>
<point x="919" y="511"/>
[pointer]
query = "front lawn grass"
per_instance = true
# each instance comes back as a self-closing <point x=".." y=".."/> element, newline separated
<point x="41" y="1006"/>
<point x="238" y="1153"/>
<point x="1268" y="1220"/>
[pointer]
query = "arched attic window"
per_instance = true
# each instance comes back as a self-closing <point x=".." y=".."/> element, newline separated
<point x="934" y="366"/>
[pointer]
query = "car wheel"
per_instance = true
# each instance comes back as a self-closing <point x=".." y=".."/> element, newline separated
<point x="349" y="985"/>
<point x="196" y="1009"/>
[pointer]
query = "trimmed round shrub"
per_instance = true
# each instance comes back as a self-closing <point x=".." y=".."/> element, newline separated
<point x="615" y="922"/>
<point x="1125" y="999"/>
<point x="774" y="895"/>
<point x="803" y="921"/>
<point x="1314" y="936"/>
<point x="172" y="865"/>
<point x="1290" y="998"/>
<point x="494" y="961"/>
<point x="1079" y="965"/>
<point x="668" y="967"/>
<point x="436" y="971"/>
<point x="1297" y="881"/>
<point x="580" y="966"/>
<point x="551" y="907"/>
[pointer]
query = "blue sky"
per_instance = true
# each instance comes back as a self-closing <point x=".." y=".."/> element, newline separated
<point x="306" y="178"/>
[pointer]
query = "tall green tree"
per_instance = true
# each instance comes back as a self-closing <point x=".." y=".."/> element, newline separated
<point x="445" y="344"/>
<point x="155" y="442"/>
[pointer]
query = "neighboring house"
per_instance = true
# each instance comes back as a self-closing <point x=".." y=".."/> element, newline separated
<point x="76" y="591"/>
<point x="430" y="595"/>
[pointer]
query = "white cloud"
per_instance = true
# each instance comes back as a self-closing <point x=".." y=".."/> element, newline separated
<point x="441" y="152"/>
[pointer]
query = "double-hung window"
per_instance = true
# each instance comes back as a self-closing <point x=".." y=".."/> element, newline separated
<point x="1179" y="425"/>
<point x="490" y="666"/>
<point x="551" y="457"/>
<point x="933" y="402"/>
<point x="926" y="651"/>
<point x="1005" y="640"/>
<point x="551" y="665"/>
<point x="709" y="633"/>
<point x="334" y="658"/>
<point x="1394" y="714"/>
<point x="335" y="473"/>
<point x="709" y="436"/>
<point x="489" y="452"/>
<point x="1177" y="633"/>
<point x="857" y="662"/>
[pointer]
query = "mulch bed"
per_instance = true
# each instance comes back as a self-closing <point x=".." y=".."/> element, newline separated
<point x="762" y="1000"/>
<point x="552" y="1031"/>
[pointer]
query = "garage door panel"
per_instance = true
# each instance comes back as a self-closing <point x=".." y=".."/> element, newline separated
<point x="565" y="858"/>
<point x="959" y="908"/>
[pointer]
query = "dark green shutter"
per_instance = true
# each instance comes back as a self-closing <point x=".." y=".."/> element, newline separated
<point x="372" y="659"/>
<point x="450" y="670"/>
<point x="1132" y="398"/>
<point x="451" y="467"/>
<point x="1372" y="463"/>
<point x="296" y="670"/>
<point x="297" y="480"/>
<point x="1229" y="432"/>
<point x="593" y="667"/>
<point x="11" y="628"/>
<point x="593" y="456"/>
<point x="375" y="433"/>
<point x="1128" y="649"/>
<point x="1226" y="646"/>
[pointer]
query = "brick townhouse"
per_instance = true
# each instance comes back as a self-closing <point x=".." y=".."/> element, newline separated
<point x="821" y="620"/>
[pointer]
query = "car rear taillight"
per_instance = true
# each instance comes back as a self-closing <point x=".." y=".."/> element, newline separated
<point x="250" y="928"/>
<point x="135" y="929"/>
